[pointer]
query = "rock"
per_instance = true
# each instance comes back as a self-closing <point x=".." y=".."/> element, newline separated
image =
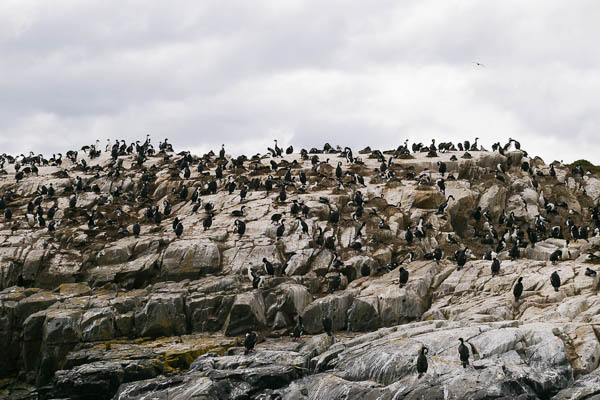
<point x="334" y="306"/>
<point x="98" y="325"/>
<point x="363" y="316"/>
<point x="299" y="263"/>
<point x="100" y="311"/>
<point x="493" y="199"/>
<point x="247" y="314"/>
<point x="190" y="259"/>
<point x="162" y="315"/>
<point x="208" y="313"/>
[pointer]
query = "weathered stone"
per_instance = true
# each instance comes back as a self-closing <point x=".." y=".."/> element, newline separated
<point x="334" y="306"/>
<point x="190" y="259"/>
<point x="247" y="314"/>
<point x="162" y="315"/>
<point x="98" y="325"/>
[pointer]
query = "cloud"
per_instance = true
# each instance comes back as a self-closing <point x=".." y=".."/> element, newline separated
<point x="350" y="73"/>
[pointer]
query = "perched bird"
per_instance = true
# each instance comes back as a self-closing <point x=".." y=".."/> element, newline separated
<point x="463" y="352"/>
<point x="240" y="227"/>
<point x="365" y="270"/>
<point x="207" y="222"/>
<point x="556" y="256"/>
<point x="136" y="229"/>
<point x="442" y="208"/>
<point x="518" y="289"/>
<point x="268" y="266"/>
<point x="422" y="361"/>
<point x="495" y="266"/>
<point x="280" y="229"/>
<point x="555" y="281"/>
<point x="249" y="342"/>
<point x="298" y="329"/>
<point x="179" y="229"/>
<point x="403" y="278"/>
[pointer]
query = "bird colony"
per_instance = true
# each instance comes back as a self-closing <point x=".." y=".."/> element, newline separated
<point x="437" y="270"/>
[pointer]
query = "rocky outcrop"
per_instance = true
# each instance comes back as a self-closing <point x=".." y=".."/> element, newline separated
<point x="91" y="310"/>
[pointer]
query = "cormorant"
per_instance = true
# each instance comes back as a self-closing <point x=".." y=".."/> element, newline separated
<point x="330" y="243"/>
<point x="238" y="213"/>
<point x="422" y="361"/>
<point x="444" y="205"/>
<point x="518" y="289"/>
<point x="280" y="229"/>
<point x="268" y="267"/>
<point x="249" y="342"/>
<point x="365" y="270"/>
<point x="409" y="235"/>
<point x="240" y="226"/>
<point x="298" y="329"/>
<point x="590" y="272"/>
<point x="179" y="229"/>
<point x="495" y="266"/>
<point x="207" y="222"/>
<point x="463" y="352"/>
<point x="303" y="224"/>
<point x="136" y="229"/>
<point x="461" y="257"/>
<point x="403" y="277"/>
<point x="437" y="254"/>
<point x="442" y="167"/>
<point x="555" y="281"/>
<point x="556" y="256"/>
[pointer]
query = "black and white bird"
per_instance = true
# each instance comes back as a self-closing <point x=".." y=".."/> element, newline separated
<point x="249" y="342"/>
<point x="179" y="229"/>
<point x="268" y="266"/>
<point x="442" y="208"/>
<point x="240" y="227"/>
<point x="298" y="329"/>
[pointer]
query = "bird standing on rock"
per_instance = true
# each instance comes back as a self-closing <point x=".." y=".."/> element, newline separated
<point x="280" y="230"/>
<point x="442" y="208"/>
<point x="463" y="352"/>
<point x="207" y="222"/>
<point x="136" y="229"/>
<point x="518" y="289"/>
<point x="249" y="342"/>
<point x="179" y="229"/>
<point x="422" y="361"/>
<point x="555" y="281"/>
<point x="240" y="227"/>
<point x="495" y="266"/>
<point x="403" y="277"/>
<point x="298" y="329"/>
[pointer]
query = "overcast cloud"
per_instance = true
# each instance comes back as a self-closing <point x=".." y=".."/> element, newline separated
<point x="352" y="73"/>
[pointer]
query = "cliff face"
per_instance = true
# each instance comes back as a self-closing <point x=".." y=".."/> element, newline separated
<point x="90" y="310"/>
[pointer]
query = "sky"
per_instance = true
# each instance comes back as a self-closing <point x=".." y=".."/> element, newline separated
<point x="353" y="73"/>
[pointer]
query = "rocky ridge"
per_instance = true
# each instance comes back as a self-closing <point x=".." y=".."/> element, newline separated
<point x="90" y="310"/>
